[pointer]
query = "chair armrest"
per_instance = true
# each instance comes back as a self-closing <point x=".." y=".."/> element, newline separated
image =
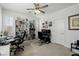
<point x="72" y="45"/>
<point x="18" y="37"/>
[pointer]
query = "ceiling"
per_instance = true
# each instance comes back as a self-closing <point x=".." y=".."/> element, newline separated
<point x="21" y="7"/>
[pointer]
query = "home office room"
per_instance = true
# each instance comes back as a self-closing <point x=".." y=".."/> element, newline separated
<point x="39" y="29"/>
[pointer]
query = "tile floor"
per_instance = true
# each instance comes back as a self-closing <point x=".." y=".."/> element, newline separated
<point x="34" y="48"/>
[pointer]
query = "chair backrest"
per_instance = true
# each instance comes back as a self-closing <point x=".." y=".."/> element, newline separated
<point x="23" y="34"/>
<point x="19" y="39"/>
<point x="46" y="32"/>
<point x="78" y="42"/>
<point x="40" y="35"/>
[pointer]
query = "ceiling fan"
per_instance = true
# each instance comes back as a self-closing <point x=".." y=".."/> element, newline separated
<point x="38" y="8"/>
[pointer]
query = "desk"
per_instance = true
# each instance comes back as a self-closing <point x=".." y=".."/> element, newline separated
<point x="5" y="50"/>
<point x="5" y="46"/>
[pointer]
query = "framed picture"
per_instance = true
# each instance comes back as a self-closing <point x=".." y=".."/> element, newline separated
<point x="73" y="22"/>
<point x="46" y="22"/>
<point x="50" y="23"/>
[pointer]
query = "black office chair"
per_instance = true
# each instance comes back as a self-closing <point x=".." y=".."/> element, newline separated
<point x="40" y="35"/>
<point x="19" y="40"/>
<point x="44" y="36"/>
<point x="75" y="46"/>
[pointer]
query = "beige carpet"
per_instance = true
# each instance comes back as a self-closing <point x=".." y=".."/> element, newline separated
<point x="34" y="48"/>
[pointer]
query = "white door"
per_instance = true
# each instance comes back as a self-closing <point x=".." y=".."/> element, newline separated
<point x="58" y="31"/>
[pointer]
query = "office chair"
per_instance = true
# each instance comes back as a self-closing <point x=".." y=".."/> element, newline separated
<point x="40" y="35"/>
<point x="45" y="36"/>
<point x="75" y="48"/>
<point x="75" y="45"/>
<point x="19" y="40"/>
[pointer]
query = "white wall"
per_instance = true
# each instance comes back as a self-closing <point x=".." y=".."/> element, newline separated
<point x="0" y="19"/>
<point x="60" y="32"/>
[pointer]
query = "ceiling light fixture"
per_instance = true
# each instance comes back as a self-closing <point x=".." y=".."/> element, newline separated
<point x="37" y="12"/>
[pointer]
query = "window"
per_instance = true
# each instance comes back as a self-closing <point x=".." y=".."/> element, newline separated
<point x="8" y="21"/>
<point x="8" y="24"/>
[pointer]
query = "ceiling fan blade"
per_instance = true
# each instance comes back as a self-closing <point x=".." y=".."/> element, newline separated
<point x="42" y="11"/>
<point x="31" y="9"/>
<point x="36" y="5"/>
<point x="44" y="6"/>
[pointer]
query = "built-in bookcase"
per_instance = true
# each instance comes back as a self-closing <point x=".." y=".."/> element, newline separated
<point x="21" y="25"/>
